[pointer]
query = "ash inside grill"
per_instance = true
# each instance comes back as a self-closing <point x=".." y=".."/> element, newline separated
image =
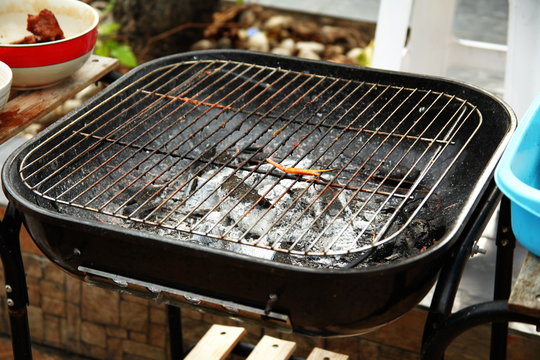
<point x="182" y="152"/>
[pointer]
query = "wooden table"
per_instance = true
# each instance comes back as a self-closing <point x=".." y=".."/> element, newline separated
<point x="27" y="107"/>
<point x="525" y="296"/>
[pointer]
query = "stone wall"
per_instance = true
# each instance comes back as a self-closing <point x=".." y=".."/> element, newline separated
<point x="67" y="314"/>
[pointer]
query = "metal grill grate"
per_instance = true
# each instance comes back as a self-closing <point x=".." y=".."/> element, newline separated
<point x="182" y="151"/>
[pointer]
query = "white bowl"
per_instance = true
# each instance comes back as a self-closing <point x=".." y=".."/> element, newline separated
<point x="45" y="64"/>
<point x="6" y="77"/>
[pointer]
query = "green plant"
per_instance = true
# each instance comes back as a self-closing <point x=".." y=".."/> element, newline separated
<point x="110" y="44"/>
<point x="366" y="56"/>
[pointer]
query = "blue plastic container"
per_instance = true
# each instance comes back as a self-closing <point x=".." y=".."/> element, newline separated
<point x="518" y="177"/>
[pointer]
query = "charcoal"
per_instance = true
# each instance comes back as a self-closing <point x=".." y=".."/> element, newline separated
<point x="239" y="189"/>
<point x="418" y="231"/>
<point x="198" y="171"/>
<point x="382" y="252"/>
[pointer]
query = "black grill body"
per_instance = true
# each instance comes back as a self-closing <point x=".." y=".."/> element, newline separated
<point x="315" y="301"/>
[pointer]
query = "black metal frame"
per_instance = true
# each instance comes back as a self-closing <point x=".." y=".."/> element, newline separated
<point x="15" y="287"/>
<point x="441" y="325"/>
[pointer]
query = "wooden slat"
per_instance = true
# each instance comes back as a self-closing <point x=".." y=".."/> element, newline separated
<point x="217" y="343"/>
<point x="525" y="296"/>
<point x="26" y="107"/>
<point x="321" y="354"/>
<point x="272" y="348"/>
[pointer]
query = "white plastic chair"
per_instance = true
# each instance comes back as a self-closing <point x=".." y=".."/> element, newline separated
<point x="433" y="49"/>
<point x="522" y="80"/>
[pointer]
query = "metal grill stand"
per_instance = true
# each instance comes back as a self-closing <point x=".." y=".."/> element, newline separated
<point x="15" y="287"/>
<point x="442" y="327"/>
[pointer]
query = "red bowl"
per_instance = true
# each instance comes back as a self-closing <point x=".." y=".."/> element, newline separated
<point x="45" y="64"/>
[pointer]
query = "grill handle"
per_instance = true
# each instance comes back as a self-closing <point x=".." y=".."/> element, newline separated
<point x="184" y="299"/>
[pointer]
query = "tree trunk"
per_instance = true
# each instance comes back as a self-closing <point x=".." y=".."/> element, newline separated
<point x="161" y="27"/>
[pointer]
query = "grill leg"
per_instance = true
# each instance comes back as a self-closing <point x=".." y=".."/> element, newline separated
<point x="441" y="327"/>
<point x="15" y="287"/>
<point x="506" y="243"/>
<point x="467" y="318"/>
<point x="450" y="275"/>
<point x="174" y="317"/>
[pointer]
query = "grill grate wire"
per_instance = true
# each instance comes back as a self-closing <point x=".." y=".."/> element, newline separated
<point x="161" y="151"/>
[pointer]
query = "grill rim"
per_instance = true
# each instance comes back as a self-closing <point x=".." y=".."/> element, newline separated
<point x="34" y="154"/>
<point x="450" y="235"/>
<point x="397" y="289"/>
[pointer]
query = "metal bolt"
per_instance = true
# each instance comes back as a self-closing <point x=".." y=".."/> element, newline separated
<point x="478" y="250"/>
<point x="192" y="300"/>
<point x="120" y="282"/>
<point x="10" y="302"/>
<point x="9" y="289"/>
<point x="230" y="309"/>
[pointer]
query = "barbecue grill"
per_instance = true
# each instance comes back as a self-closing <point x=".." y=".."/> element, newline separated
<point x="161" y="185"/>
